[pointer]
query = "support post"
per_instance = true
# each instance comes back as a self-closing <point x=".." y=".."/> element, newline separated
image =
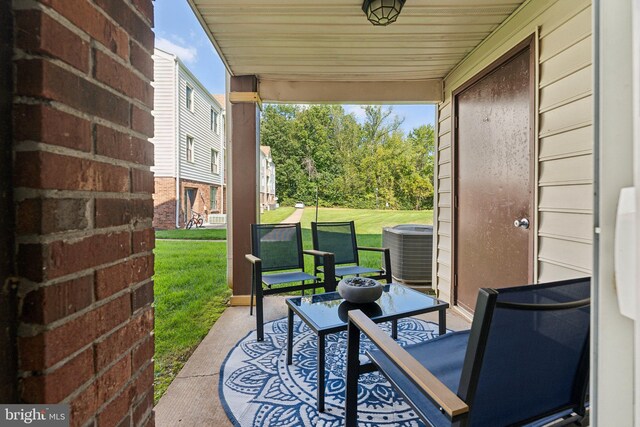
<point x="242" y="185"/>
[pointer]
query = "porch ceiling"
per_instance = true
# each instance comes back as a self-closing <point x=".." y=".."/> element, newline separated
<point x="331" y="40"/>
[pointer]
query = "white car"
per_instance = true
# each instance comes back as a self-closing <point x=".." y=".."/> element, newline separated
<point x="299" y="205"/>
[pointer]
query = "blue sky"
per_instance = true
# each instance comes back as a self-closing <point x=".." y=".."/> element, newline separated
<point x="179" y="32"/>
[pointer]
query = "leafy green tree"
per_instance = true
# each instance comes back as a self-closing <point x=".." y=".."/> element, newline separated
<point x="370" y="165"/>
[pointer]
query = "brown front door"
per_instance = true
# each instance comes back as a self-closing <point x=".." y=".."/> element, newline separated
<point x="494" y="180"/>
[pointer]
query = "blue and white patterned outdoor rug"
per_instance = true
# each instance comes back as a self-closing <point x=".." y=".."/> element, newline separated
<point x="258" y="388"/>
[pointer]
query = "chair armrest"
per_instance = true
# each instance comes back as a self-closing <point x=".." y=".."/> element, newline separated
<point x="329" y="267"/>
<point x="252" y="259"/>
<point x="430" y="385"/>
<point x="316" y="253"/>
<point x="368" y="248"/>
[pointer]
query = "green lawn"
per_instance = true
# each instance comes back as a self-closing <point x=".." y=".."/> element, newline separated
<point x="190" y="294"/>
<point x="193" y="234"/>
<point x="368" y="222"/>
<point x="276" y="216"/>
<point x="221" y="234"/>
<point x="190" y="284"/>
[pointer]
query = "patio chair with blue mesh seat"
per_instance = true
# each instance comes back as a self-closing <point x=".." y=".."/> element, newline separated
<point x="277" y="249"/>
<point x="340" y="239"/>
<point x="525" y="361"/>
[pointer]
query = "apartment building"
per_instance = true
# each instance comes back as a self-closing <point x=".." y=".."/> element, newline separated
<point x="189" y="145"/>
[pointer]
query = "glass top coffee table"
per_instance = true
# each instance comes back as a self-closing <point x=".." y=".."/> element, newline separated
<point x="327" y="313"/>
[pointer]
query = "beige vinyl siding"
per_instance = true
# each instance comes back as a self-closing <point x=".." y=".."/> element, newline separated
<point x="564" y="163"/>
<point x="164" y="72"/>
<point x="443" y="236"/>
<point x="565" y="225"/>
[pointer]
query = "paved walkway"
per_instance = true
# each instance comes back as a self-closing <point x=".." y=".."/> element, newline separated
<point x="296" y="216"/>
<point x="192" y="398"/>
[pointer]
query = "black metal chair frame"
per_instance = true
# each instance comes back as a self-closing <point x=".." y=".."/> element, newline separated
<point x="383" y="273"/>
<point x="257" y="271"/>
<point x="458" y="407"/>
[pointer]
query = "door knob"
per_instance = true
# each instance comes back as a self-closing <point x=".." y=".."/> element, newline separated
<point x="521" y="223"/>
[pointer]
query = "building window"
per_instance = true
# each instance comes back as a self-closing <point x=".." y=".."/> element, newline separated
<point x="215" y="162"/>
<point x="190" y="150"/>
<point x="189" y="98"/>
<point x="214" y="122"/>
<point x="214" y="199"/>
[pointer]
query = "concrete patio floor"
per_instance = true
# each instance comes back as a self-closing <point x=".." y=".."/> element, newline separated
<point x="192" y="398"/>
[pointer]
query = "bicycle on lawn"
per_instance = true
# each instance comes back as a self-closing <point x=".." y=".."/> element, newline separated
<point x="196" y="219"/>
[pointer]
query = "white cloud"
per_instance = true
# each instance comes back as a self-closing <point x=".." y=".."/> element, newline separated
<point x="188" y="54"/>
<point x="176" y="38"/>
<point x="356" y="110"/>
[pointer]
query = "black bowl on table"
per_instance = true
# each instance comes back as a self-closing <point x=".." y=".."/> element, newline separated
<point x="360" y="290"/>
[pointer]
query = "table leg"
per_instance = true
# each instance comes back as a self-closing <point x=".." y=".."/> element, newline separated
<point x="353" y="373"/>
<point x="394" y="329"/>
<point x="442" y="321"/>
<point x="321" y="364"/>
<point x="289" y="336"/>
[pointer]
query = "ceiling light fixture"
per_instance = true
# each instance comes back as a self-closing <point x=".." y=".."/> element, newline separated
<point x="382" y="12"/>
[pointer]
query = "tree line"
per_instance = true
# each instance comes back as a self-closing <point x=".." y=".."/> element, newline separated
<point x="369" y="165"/>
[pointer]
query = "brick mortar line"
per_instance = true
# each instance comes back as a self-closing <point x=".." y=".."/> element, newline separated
<point x="27" y="286"/>
<point x="77" y="236"/>
<point x="23" y="193"/>
<point x="28" y="5"/>
<point x="113" y="21"/>
<point x="146" y="416"/>
<point x="140" y="14"/>
<point x="28" y="374"/>
<point x="33" y="5"/>
<point x="61" y="363"/>
<point x="19" y="54"/>
<point x="140" y="45"/>
<point x="78" y="391"/>
<point x="57" y="105"/>
<point x="30" y="145"/>
<point x="28" y="330"/>
<point x="139" y="285"/>
<point x="118" y="393"/>
<point x="95" y="44"/>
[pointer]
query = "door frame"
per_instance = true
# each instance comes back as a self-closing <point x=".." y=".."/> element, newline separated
<point x="188" y="203"/>
<point x="529" y="42"/>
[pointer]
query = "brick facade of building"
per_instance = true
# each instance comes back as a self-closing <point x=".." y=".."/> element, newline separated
<point x="165" y="201"/>
<point x="82" y="190"/>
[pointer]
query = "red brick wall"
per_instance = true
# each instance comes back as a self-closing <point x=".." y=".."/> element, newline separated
<point x="164" y="202"/>
<point x="82" y="119"/>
